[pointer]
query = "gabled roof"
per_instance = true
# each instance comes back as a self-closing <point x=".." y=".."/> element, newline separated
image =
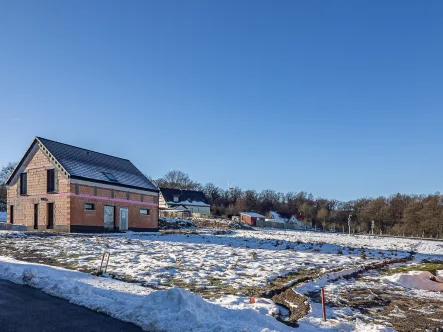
<point x="276" y="216"/>
<point x="93" y="166"/>
<point x="253" y="214"/>
<point x="185" y="197"/>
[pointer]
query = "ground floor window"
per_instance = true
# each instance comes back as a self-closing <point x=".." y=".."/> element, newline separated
<point x="144" y="212"/>
<point x="11" y="213"/>
<point x="89" y="207"/>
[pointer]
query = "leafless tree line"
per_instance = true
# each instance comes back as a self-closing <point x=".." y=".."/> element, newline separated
<point x="399" y="214"/>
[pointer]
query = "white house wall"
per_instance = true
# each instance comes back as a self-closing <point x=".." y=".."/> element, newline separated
<point x="200" y="210"/>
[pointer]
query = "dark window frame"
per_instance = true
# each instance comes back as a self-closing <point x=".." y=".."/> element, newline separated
<point x="35" y="216"/>
<point x="148" y="212"/>
<point x="50" y="180"/>
<point x="51" y="215"/>
<point x="91" y="205"/>
<point x="23" y="183"/>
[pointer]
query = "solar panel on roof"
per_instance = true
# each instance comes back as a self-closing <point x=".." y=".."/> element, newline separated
<point x="110" y="177"/>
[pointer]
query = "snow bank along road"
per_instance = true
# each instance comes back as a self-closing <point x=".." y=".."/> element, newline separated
<point x="225" y="265"/>
<point x="174" y="310"/>
<point x="25" y="309"/>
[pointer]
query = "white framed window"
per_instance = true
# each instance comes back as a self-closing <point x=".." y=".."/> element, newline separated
<point x="176" y="198"/>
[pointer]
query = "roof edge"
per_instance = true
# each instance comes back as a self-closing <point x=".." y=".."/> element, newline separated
<point x="20" y="163"/>
<point x="117" y="184"/>
<point x="78" y="147"/>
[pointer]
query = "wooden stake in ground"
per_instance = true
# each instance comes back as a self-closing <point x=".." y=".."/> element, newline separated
<point x="323" y="306"/>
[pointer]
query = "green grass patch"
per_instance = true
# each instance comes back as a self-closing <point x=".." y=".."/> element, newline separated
<point x="429" y="266"/>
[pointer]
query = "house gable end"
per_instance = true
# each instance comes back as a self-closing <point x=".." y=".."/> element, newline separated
<point x="35" y="146"/>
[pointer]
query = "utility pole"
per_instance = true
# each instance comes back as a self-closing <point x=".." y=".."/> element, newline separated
<point x="349" y="223"/>
<point x="372" y="227"/>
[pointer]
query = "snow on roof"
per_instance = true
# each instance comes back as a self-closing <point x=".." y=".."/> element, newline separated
<point x="188" y="203"/>
<point x="2" y="216"/>
<point x="276" y="216"/>
<point x="184" y="196"/>
<point x="253" y="214"/>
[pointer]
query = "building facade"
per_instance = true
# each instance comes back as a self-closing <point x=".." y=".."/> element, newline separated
<point x="190" y="200"/>
<point x="64" y="188"/>
<point x="251" y="218"/>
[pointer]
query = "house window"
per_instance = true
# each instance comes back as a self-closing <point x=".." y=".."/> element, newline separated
<point x="144" y="212"/>
<point x="89" y="207"/>
<point x="243" y="218"/>
<point x="110" y="177"/>
<point x="23" y="183"/>
<point x="50" y="180"/>
<point x="175" y="198"/>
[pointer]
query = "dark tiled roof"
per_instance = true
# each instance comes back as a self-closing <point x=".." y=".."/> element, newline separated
<point x="89" y="165"/>
<point x="184" y="195"/>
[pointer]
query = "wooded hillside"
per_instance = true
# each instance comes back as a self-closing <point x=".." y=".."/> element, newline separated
<point x="399" y="214"/>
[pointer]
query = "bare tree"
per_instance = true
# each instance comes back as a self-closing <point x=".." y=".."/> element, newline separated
<point x="177" y="180"/>
<point x="5" y="172"/>
<point x="323" y="215"/>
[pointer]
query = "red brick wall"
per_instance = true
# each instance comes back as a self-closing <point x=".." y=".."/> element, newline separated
<point x="249" y="220"/>
<point x="81" y="217"/>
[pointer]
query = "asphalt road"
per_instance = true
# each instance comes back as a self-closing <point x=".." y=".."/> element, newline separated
<point x="24" y="309"/>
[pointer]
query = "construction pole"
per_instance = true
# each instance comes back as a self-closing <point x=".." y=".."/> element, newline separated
<point x="323" y="306"/>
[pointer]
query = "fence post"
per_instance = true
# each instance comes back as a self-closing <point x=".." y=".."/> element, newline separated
<point x="323" y="306"/>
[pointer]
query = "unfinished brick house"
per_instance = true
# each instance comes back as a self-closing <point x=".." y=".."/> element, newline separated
<point x="60" y="187"/>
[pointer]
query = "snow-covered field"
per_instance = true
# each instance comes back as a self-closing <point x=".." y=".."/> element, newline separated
<point x="174" y="310"/>
<point x="238" y="259"/>
<point x="226" y="266"/>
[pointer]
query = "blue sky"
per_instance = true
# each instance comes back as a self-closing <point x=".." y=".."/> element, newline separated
<point x="339" y="98"/>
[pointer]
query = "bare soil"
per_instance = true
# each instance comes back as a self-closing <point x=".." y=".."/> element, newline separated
<point x="403" y="313"/>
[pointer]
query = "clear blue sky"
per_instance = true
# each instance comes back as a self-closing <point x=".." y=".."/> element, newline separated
<point x="339" y="98"/>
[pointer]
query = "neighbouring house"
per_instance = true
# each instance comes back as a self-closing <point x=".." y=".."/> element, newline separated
<point x="191" y="200"/>
<point x="2" y="216"/>
<point x="250" y="218"/>
<point x="300" y="224"/>
<point x="60" y="187"/>
<point x="275" y="216"/>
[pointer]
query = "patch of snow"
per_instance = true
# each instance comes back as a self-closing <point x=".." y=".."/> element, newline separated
<point x="416" y="280"/>
<point x="189" y="203"/>
<point x="173" y="310"/>
<point x="2" y="216"/>
<point x="262" y="305"/>
<point x="360" y="326"/>
<point x="253" y="214"/>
